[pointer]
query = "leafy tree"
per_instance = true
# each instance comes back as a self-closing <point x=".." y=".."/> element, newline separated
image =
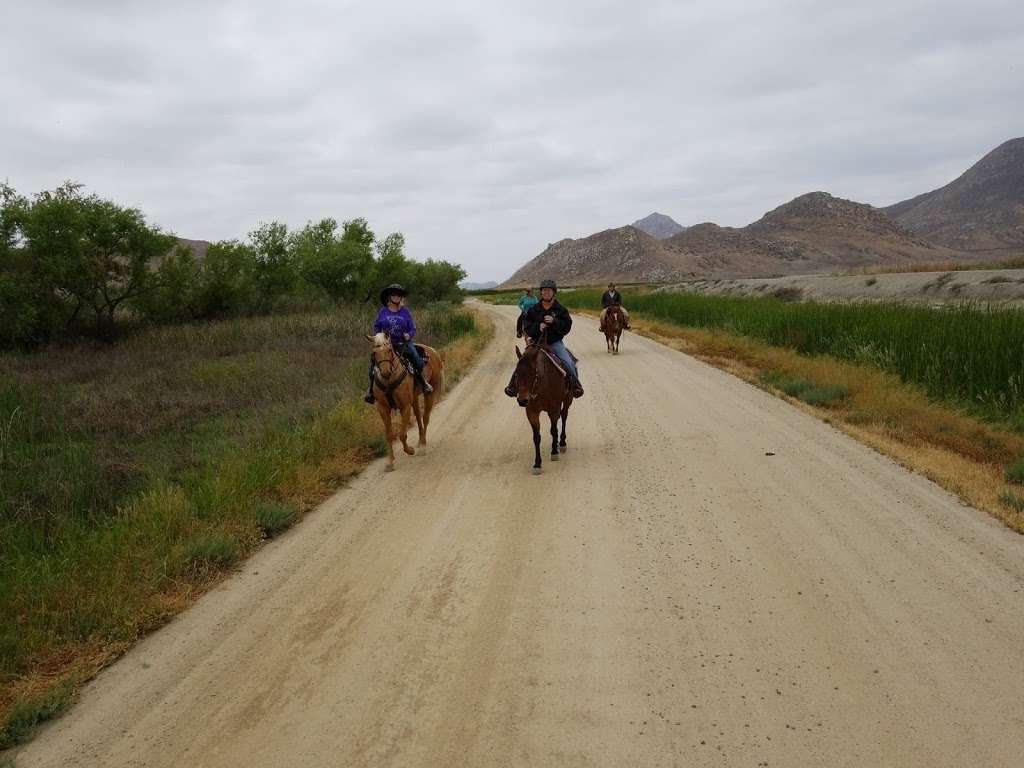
<point x="82" y="257"/>
<point x="225" y="282"/>
<point x="437" y="280"/>
<point x="392" y="266"/>
<point x="274" y="272"/>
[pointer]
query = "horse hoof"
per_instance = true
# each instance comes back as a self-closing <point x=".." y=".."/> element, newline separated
<point x="409" y="450"/>
<point x="554" y="457"/>
<point x="389" y="468"/>
<point x="537" y="470"/>
<point x="563" y="449"/>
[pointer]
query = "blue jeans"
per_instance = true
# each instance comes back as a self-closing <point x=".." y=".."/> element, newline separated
<point x="413" y="354"/>
<point x="558" y="347"/>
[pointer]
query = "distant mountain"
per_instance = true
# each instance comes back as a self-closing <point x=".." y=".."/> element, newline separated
<point x="981" y="211"/>
<point x="975" y="217"/>
<point x="658" y="226"/>
<point x="467" y="286"/>
<point x="812" y="233"/>
<point x="625" y="254"/>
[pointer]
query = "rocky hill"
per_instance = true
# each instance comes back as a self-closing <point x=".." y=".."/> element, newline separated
<point x="625" y="254"/>
<point x="977" y="217"/>
<point x="812" y="233"/>
<point x="981" y="211"/>
<point x="658" y="226"/>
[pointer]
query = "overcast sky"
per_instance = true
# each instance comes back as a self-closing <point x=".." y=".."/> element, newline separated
<point x="484" y="130"/>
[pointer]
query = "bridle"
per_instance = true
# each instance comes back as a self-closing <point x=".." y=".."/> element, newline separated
<point x="382" y="380"/>
<point x="537" y="354"/>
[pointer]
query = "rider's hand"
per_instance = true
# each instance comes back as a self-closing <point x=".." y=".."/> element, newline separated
<point x="543" y="326"/>
<point x="406" y="335"/>
<point x="549" y="319"/>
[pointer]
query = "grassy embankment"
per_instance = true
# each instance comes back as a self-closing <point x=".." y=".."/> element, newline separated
<point x="1015" y="262"/>
<point x="133" y="476"/>
<point x="940" y="390"/>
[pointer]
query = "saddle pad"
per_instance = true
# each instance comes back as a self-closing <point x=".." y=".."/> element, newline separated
<point x="556" y="362"/>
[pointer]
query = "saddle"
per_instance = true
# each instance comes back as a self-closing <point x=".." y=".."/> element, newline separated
<point x="559" y="365"/>
<point x="407" y="362"/>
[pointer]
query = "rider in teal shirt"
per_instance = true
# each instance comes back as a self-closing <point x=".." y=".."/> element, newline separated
<point x="526" y="302"/>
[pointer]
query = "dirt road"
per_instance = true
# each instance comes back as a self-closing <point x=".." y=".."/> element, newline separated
<point x="668" y="594"/>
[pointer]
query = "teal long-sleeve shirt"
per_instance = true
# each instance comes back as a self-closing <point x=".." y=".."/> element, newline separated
<point x="525" y="303"/>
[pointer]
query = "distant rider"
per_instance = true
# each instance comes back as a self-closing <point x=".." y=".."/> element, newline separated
<point x="526" y="303"/>
<point x="612" y="298"/>
<point x="395" y="319"/>
<point x="551" y="320"/>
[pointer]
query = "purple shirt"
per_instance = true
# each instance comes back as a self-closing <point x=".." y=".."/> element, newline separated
<point x="395" y="324"/>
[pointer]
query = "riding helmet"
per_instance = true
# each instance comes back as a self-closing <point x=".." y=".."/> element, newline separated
<point x="549" y="283"/>
<point x="392" y="290"/>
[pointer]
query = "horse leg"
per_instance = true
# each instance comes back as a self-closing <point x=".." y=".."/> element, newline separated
<point x="534" y="417"/>
<point x="428" y="406"/>
<point x="406" y="419"/>
<point x="565" y="417"/>
<point x="553" y="416"/>
<point x="385" y="417"/>
<point x="419" y="419"/>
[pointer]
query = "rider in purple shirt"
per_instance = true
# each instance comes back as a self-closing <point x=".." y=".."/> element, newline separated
<point x="396" y="320"/>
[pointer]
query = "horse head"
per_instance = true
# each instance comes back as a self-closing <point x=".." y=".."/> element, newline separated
<point x="384" y="358"/>
<point x="528" y="373"/>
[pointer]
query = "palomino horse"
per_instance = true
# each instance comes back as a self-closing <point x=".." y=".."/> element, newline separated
<point x="542" y="387"/>
<point x="395" y="390"/>
<point x="614" y="322"/>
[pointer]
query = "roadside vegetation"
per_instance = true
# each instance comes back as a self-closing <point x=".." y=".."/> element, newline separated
<point x="1013" y="262"/>
<point x="149" y="443"/>
<point x="74" y="265"/>
<point x="966" y="355"/>
<point x="939" y="390"/>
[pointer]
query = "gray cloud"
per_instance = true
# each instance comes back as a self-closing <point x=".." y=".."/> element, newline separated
<point x="486" y="130"/>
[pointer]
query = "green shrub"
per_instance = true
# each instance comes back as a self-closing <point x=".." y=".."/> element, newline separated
<point x="1015" y="472"/>
<point x="273" y="517"/>
<point x="1012" y="500"/>
<point x="212" y="549"/>
<point x="27" y="713"/>
<point x="823" y="395"/>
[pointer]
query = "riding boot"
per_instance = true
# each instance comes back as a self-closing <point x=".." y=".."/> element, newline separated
<point x="511" y="389"/>
<point x="427" y="389"/>
<point x="575" y="386"/>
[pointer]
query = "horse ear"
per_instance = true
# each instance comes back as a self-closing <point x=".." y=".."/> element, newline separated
<point x="369" y="338"/>
<point x="518" y="353"/>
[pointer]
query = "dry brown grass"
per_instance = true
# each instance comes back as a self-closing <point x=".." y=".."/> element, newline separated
<point x="962" y="454"/>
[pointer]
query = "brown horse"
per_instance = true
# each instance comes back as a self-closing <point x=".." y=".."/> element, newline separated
<point x="395" y="389"/>
<point x="542" y="387"/>
<point x="614" y="322"/>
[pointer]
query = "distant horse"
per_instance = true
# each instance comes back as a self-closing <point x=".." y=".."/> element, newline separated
<point x="614" y="322"/>
<point x="394" y="389"/>
<point x="543" y="387"/>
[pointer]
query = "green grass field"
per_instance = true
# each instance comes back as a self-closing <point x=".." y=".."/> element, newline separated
<point x="971" y="356"/>
<point x="130" y="475"/>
